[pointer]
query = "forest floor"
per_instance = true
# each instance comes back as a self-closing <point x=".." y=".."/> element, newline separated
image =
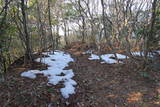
<point x="98" y="85"/>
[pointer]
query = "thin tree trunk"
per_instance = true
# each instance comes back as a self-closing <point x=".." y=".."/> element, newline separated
<point x="149" y="38"/>
<point x="2" y="58"/>
<point x="40" y="27"/>
<point x="105" y="32"/>
<point x="57" y="36"/>
<point x="28" y="52"/>
<point x="65" y="33"/>
<point x="83" y="29"/>
<point x="50" y="26"/>
<point x="5" y="14"/>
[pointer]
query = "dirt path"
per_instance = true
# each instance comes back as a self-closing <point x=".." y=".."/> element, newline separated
<point x="104" y="85"/>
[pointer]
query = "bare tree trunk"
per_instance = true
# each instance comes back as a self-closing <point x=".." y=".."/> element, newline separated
<point x="50" y="26"/>
<point x="105" y="32"/>
<point x="65" y="33"/>
<point x="3" y="67"/>
<point x="83" y="29"/>
<point x="57" y="36"/>
<point x="83" y="20"/>
<point x="103" y="18"/>
<point x="149" y="37"/>
<point x="40" y="27"/>
<point x="28" y="51"/>
<point x="5" y="13"/>
<point x="2" y="79"/>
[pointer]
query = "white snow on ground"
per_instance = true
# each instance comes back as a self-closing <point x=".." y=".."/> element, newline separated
<point x="28" y="74"/>
<point x="87" y="52"/>
<point x="141" y="54"/>
<point x="94" y="57"/>
<point x="158" y="52"/>
<point x="107" y="58"/>
<point x="120" y="56"/>
<point x="137" y="53"/>
<point x="57" y="62"/>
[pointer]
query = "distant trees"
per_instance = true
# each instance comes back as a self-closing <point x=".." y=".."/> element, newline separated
<point x="80" y="17"/>
<point x="124" y="24"/>
<point x="34" y="25"/>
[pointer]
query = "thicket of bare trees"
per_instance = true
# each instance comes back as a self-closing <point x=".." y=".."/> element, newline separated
<point x="126" y="23"/>
<point x="34" y="25"/>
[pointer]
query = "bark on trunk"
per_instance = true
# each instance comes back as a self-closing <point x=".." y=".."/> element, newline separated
<point x="28" y="52"/>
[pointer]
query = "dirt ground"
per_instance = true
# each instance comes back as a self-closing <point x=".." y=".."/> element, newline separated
<point x="98" y="85"/>
<point x="112" y="85"/>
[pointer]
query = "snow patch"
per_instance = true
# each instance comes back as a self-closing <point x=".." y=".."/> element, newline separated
<point x="94" y="57"/>
<point x="106" y="58"/>
<point x="87" y="52"/>
<point x="68" y="89"/>
<point x="57" y="62"/>
<point x="141" y="54"/>
<point x="137" y="53"/>
<point x="120" y="56"/>
<point x="28" y="75"/>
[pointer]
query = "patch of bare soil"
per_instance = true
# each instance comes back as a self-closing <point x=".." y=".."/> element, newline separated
<point x="116" y="85"/>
